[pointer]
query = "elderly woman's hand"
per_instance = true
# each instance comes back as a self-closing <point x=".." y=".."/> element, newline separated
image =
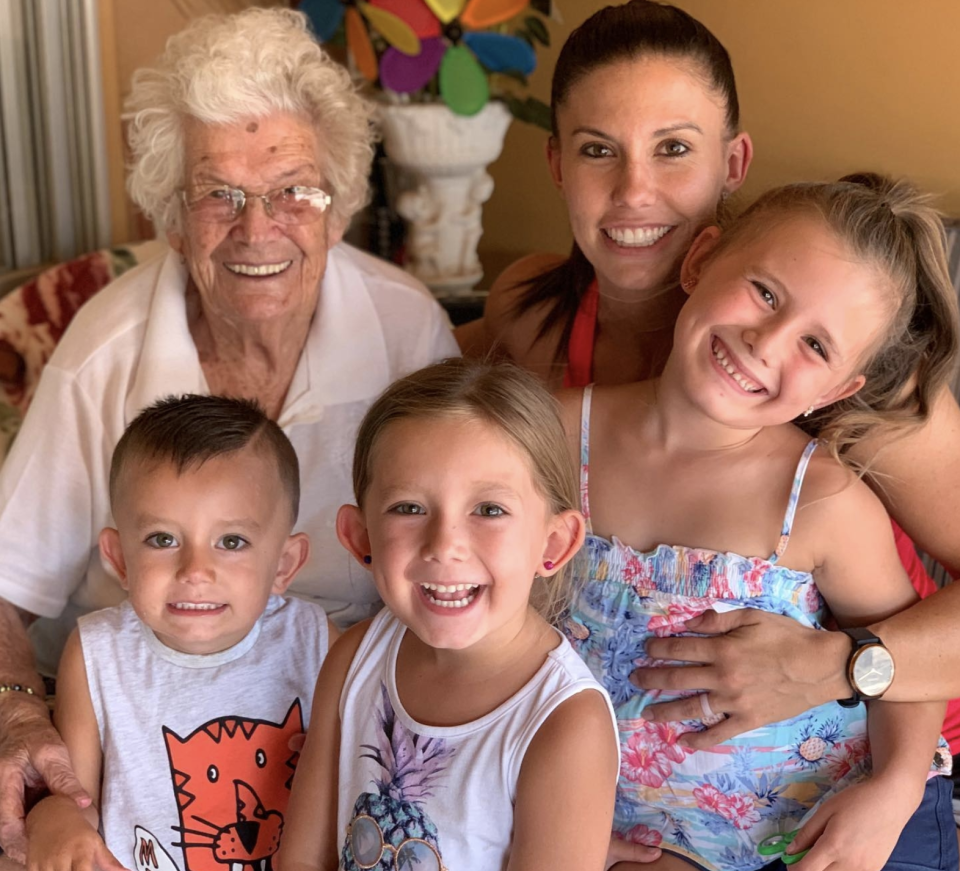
<point x="757" y="668"/>
<point x="31" y="756"/>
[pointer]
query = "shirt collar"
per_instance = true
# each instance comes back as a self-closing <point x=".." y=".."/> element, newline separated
<point x="344" y="359"/>
<point x="168" y="363"/>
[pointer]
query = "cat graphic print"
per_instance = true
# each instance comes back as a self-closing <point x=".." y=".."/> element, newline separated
<point x="231" y="779"/>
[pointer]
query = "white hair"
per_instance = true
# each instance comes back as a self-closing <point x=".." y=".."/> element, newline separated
<point x="222" y="69"/>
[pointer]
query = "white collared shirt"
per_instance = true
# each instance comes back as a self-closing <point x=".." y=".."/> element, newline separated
<point x="131" y="345"/>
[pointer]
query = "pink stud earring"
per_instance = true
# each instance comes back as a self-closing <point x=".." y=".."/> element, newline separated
<point x="548" y="564"/>
<point x="688" y="283"/>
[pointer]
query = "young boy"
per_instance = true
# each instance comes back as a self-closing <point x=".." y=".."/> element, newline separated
<point x="178" y="707"/>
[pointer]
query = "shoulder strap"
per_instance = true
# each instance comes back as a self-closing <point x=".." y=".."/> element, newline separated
<point x="585" y="453"/>
<point x="794" y="498"/>
<point x="579" y="371"/>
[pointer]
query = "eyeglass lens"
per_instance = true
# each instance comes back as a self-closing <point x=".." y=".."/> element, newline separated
<point x="367" y="845"/>
<point x="289" y="205"/>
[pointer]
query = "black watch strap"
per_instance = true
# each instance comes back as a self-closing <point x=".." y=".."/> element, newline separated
<point x="861" y="636"/>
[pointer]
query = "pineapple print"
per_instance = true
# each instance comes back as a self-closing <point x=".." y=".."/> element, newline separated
<point x="411" y="766"/>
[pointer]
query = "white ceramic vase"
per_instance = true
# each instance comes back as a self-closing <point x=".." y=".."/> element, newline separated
<point x="445" y="157"/>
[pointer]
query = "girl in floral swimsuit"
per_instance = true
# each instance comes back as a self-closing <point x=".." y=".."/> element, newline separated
<point x="804" y="307"/>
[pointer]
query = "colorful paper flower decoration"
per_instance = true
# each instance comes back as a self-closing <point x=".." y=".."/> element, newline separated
<point x="427" y="38"/>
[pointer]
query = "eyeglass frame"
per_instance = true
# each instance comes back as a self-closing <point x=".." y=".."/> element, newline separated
<point x="385" y="846"/>
<point x="266" y="198"/>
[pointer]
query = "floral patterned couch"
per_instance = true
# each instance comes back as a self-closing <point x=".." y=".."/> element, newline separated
<point x="34" y="316"/>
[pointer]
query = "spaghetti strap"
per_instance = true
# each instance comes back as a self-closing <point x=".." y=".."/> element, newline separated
<point x="794" y="499"/>
<point x="585" y="454"/>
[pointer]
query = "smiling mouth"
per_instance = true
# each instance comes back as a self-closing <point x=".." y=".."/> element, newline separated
<point x="195" y="606"/>
<point x="450" y="595"/>
<point x="258" y="271"/>
<point x="639" y="237"/>
<point x="726" y="364"/>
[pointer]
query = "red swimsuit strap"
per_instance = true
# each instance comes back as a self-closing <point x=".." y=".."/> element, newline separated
<point x="580" y="350"/>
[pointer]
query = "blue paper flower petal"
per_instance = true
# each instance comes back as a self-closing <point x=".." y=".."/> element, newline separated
<point x="325" y="16"/>
<point x="500" y="53"/>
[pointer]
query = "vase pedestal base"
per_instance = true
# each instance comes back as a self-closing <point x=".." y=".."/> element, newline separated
<point x="445" y="157"/>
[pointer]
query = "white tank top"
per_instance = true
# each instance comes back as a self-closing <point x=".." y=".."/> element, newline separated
<point x="446" y="789"/>
<point x="196" y="762"/>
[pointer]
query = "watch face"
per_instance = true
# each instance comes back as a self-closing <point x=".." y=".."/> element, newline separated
<point x="872" y="670"/>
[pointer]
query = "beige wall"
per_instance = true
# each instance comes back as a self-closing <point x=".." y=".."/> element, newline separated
<point x="826" y="86"/>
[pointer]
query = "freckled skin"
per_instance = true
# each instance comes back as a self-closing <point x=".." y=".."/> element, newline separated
<point x="218" y="154"/>
<point x="253" y="127"/>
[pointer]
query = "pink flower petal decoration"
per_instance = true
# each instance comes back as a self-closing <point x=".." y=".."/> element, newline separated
<point x="404" y="74"/>
<point x="415" y="13"/>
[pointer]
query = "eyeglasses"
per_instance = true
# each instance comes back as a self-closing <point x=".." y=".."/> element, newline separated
<point x="367" y="846"/>
<point x="222" y="204"/>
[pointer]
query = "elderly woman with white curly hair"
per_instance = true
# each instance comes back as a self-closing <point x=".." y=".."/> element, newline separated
<point x="251" y="151"/>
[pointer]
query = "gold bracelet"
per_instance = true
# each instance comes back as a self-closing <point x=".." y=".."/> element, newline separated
<point x="16" y="688"/>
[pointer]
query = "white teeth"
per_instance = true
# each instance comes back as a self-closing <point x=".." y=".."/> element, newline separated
<point x="641" y="237"/>
<point x="264" y="269"/>
<point x="453" y="588"/>
<point x="471" y="589"/>
<point x="196" y="606"/>
<point x="743" y="381"/>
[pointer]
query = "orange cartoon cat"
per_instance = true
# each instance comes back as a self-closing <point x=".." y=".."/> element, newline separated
<point x="232" y="778"/>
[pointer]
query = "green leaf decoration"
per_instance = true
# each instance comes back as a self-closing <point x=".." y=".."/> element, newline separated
<point x="538" y="30"/>
<point x="463" y="84"/>
<point x="547" y="8"/>
<point x="530" y="111"/>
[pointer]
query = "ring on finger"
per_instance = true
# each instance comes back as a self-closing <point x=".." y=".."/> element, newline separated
<point x="709" y="718"/>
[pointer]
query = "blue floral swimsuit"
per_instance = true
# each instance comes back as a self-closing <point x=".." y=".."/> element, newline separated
<point x="711" y="806"/>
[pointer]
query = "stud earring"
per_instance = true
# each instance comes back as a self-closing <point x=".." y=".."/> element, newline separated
<point x="367" y="559"/>
<point x="688" y="283"/>
<point x="809" y="411"/>
<point x="548" y="564"/>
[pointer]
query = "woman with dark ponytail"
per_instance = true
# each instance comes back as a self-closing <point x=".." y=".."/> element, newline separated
<point x="645" y="148"/>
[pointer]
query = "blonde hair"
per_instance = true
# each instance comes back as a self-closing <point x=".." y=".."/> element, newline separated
<point x="890" y="226"/>
<point x="505" y="397"/>
<point x="223" y="68"/>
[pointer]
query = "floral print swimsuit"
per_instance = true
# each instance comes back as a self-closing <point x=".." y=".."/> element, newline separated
<point x="711" y="806"/>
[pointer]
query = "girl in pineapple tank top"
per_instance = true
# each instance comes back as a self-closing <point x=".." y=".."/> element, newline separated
<point x="458" y="729"/>
<point x="702" y="492"/>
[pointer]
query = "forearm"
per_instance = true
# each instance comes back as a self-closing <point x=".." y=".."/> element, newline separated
<point x="925" y="643"/>
<point x="924" y="640"/>
<point x="17" y="663"/>
<point x="17" y="668"/>
<point x="903" y="739"/>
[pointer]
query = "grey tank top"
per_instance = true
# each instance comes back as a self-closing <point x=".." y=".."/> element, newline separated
<point x="196" y="758"/>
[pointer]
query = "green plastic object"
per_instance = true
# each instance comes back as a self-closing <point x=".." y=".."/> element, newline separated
<point x="776" y="844"/>
<point x="463" y="84"/>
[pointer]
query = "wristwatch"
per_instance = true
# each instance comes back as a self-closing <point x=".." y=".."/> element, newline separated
<point x="870" y="668"/>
